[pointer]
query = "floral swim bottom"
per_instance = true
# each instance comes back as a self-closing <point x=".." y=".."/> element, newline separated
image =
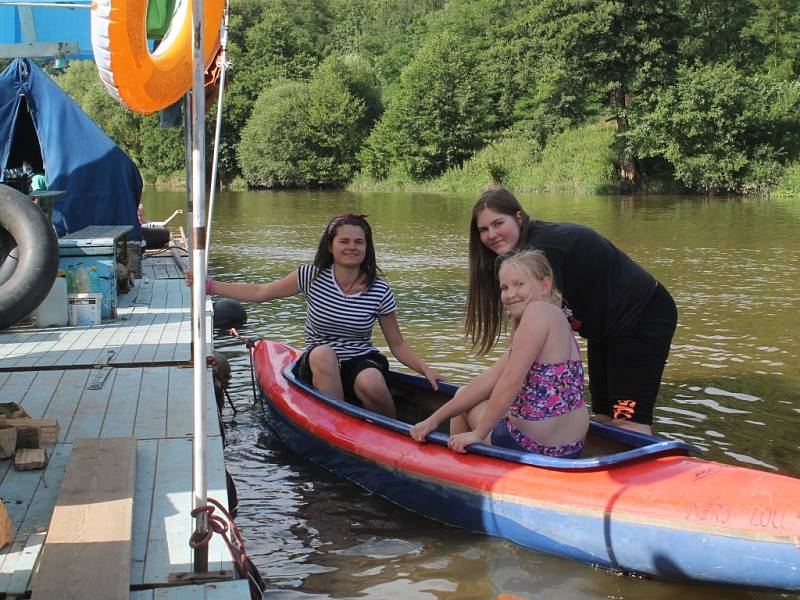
<point x="505" y="435"/>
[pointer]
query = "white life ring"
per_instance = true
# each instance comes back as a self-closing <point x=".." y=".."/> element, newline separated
<point x="142" y="81"/>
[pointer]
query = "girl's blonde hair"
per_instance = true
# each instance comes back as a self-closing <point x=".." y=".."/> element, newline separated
<point x="535" y="264"/>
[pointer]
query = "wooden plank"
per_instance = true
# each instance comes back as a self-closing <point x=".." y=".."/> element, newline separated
<point x="151" y="416"/>
<point x="34" y="495"/>
<point x="41" y="393"/>
<point x="91" y="410"/>
<point x="16" y="386"/>
<point x="152" y="339"/>
<point x="219" y="557"/>
<point x="137" y="333"/>
<point x="123" y="404"/>
<point x="221" y="590"/>
<point x="85" y="339"/>
<point x="24" y="565"/>
<point x="146" y="455"/>
<point x="171" y="524"/>
<point x="9" y="342"/>
<point x="30" y="459"/>
<point x="88" y="549"/>
<point x="179" y="402"/>
<point x="68" y="395"/>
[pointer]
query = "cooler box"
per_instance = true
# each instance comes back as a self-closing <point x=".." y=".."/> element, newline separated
<point x="97" y="246"/>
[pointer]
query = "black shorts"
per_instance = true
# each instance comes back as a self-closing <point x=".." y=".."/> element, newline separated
<point x="625" y="370"/>
<point x="349" y="369"/>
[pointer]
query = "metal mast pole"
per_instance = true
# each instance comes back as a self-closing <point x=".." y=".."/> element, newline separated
<point x="200" y="449"/>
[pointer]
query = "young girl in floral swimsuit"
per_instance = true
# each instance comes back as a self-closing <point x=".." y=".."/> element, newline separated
<point x="531" y="399"/>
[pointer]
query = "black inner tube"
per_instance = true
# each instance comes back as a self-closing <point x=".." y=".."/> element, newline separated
<point x="29" y="281"/>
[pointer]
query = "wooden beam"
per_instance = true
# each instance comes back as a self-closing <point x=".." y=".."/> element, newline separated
<point x="37" y="49"/>
<point x="87" y="553"/>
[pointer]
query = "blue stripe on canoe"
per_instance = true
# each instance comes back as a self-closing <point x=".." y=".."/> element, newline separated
<point x="642" y="445"/>
<point x="632" y="547"/>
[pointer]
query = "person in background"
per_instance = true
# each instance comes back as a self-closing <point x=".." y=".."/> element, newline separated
<point x="531" y="399"/>
<point x="345" y="295"/>
<point x="627" y="316"/>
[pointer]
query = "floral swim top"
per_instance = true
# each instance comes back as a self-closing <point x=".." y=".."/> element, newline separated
<point x="550" y="390"/>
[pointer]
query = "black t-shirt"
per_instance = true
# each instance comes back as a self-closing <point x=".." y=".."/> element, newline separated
<point x="602" y="286"/>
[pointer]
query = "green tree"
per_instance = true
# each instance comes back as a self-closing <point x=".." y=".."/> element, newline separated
<point x="303" y="134"/>
<point x="438" y="117"/>
<point x="269" y="40"/>
<point x="774" y="29"/>
<point x="157" y="152"/>
<point x="624" y="50"/>
<point x="721" y="129"/>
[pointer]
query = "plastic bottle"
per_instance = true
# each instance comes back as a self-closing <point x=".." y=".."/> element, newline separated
<point x="72" y="284"/>
<point x="54" y="310"/>
<point x="82" y="279"/>
<point x="94" y="280"/>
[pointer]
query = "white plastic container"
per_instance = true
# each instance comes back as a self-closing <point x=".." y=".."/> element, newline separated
<point x="84" y="309"/>
<point x="54" y="310"/>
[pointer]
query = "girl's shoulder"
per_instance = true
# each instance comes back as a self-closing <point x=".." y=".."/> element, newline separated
<point x="541" y="311"/>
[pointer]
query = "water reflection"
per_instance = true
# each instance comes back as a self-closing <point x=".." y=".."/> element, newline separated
<point x="730" y="387"/>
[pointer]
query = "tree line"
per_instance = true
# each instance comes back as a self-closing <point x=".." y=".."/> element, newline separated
<point x="703" y="94"/>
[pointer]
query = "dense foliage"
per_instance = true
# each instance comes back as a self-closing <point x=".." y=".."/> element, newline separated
<point x="698" y="94"/>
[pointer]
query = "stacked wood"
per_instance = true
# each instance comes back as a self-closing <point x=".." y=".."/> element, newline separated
<point x="33" y="433"/>
<point x="28" y="459"/>
<point x="8" y="440"/>
<point x="12" y="410"/>
<point x="6" y="530"/>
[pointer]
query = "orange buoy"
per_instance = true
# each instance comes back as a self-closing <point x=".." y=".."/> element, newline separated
<point x="143" y="81"/>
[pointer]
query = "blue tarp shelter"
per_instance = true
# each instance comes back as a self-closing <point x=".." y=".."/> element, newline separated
<point x="41" y="125"/>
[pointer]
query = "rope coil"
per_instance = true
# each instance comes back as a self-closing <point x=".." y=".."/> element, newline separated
<point x="222" y="524"/>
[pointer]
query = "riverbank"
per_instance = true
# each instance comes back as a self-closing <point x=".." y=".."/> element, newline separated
<point x="578" y="161"/>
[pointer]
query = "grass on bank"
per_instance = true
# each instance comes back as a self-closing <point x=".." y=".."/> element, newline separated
<point x="789" y="186"/>
<point x="576" y="161"/>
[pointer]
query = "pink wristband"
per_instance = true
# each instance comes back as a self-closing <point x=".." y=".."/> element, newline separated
<point x="209" y="287"/>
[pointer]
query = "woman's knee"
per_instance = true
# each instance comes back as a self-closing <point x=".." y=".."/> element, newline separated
<point x="370" y="383"/>
<point x="323" y="359"/>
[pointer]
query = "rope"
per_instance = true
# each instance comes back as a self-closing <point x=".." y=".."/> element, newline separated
<point x="243" y="566"/>
<point x="249" y="344"/>
<point x="224" y="64"/>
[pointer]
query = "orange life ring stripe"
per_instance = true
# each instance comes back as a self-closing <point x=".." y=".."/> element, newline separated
<point x="142" y="81"/>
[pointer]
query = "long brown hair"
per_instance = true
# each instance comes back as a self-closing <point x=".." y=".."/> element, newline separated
<point x="484" y="313"/>
<point x="324" y="258"/>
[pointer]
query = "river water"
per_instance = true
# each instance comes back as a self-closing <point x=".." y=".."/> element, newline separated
<point x="730" y="387"/>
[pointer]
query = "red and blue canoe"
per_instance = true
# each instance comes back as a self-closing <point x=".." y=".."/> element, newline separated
<point x="635" y="503"/>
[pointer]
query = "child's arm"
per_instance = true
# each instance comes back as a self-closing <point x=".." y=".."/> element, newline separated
<point x="529" y="339"/>
<point x="468" y="396"/>
<point x="254" y="292"/>
<point x="403" y="352"/>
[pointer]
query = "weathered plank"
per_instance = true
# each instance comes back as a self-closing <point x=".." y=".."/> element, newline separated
<point x="67" y="397"/>
<point x="87" y="553"/>
<point x="41" y="392"/>
<point x="146" y="455"/>
<point x="151" y="416"/>
<point x="91" y="410"/>
<point x="33" y="495"/>
<point x="123" y="403"/>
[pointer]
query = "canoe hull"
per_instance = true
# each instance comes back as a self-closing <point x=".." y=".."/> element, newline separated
<point x="616" y="518"/>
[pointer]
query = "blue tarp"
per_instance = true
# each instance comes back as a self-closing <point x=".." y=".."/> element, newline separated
<point x="102" y="184"/>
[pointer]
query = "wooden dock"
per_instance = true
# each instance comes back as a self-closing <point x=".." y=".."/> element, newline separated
<point x="127" y="378"/>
